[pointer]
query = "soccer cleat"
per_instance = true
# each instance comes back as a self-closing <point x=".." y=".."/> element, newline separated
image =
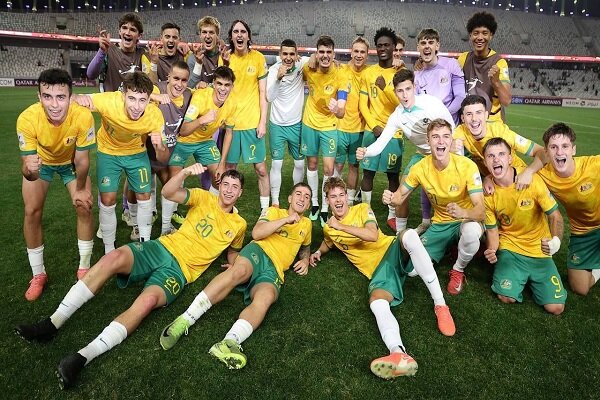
<point x="126" y="217"/>
<point x="230" y="353"/>
<point x="69" y="369"/>
<point x="41" y="331"/>
<point x="422" y="227"/>
<point x="457" y="281"/>
<point x="99" y="233"/>
<point x="314" y="213"/>
<point x="173" y="332"/>
<point x="392" y="223"/>
<point x="394" y="365"/>
<point x="168" y="231"/>
<point x="154" y="216"/>
<point x="177" y="218"/>
<point x="81" y="273"/>
<point x="36" y="286"/>
<point x="444" y="320"/>
<point x="135" y="234"/>
<point x="324" y="216"/>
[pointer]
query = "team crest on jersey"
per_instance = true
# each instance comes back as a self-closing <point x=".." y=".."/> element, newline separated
<point x="586" y="188"/>
<point x="91" y="135"/>
<point x="453" y="188"/>
<point x="504" y="219"/>
<point x="477" y="178"/>
<point x="191" y="110"/>
<point x="105" y="181"/>
<point x="229" y="234"/>
<point x="328" y="89"/>
<point x="254" y="257"/>
<point x="138" y="246"/>
<point x="251" y="70"/>
<point x="70" y="140"/>
<point x="521" y="140"/>
<point x="526" y="204"/>
<point x="506" y="284"/>
<point x="176" y="157"/>
<point x="277" y="153"/>
<point x="283" y="233"/>
<point x="304" y="147"/>
<point x="444" y="80"/>
<point x="21" y="138"/>
<point x="301" y="233"/>
<point x="575" y="259"/>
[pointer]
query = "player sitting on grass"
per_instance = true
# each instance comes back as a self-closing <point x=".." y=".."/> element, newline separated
<point x="278" y="236"/>
<point x="354" y="231"/>
<point x="519" y="242"/>
<point x="166" y="265"/>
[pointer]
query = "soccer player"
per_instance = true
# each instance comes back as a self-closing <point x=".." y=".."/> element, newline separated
<point x="412" y="116"/>
<point x="575" y="182"/>
<point x="377" y="102"/>
<point x="127" y="119"/>
<point x="440" y="77"/>
<point x="326" y="102"/>
<point x="165" y="53"/>
<point x="476" y="130"/>
<point x="453" y="185"/>
<point x="113" y="61"/>
<point x="398" y="50"/>
<point x="285" y="92"/>
<point x="166" y="265"/>
<point x="174" y="98"/>
<point x="486" y="72"/>
<point x="209" y="109"/>
<point x="55" y="136"/>
<point x="520" y="241"/>
<point x="258" y="272"/>
<point x="206" y="53"/>
<point x="354" y="231"/>
<point x="352" y="126"/>
<point x="249" y="95"/>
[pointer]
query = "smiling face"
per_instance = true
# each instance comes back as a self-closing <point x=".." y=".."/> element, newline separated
<point x="405" y="92"/>
<point x="325" y="56"/>
<point x="240" y="37"/>
<point x="398" y="50"/>
<point x="55" y="99"/>
<point x="498" y="159"/>
<point x="440" y="141"/>
<point x="474" y="117"/>
<point x="385" y="48"/>
<point x="428" y="49"/>
<point x="338" y="202"/>
<point x="222" y="88"/>
<point x="135" y="104"/>
<point x="560" y="151"/>
<point x="230" y="190"/>
<point x="209" y="36"/>
<point x="288" y="56"/>
<point x="177" y="82"/>
<point x="170" y="39"/>
<point x="359" y="54"/>
<point x="299" y="200"/>
<point x="480" y="39"/>
<point x="130" y="36"/>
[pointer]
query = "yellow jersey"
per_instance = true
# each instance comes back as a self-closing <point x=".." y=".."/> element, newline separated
<point x="283" y="245"/>
<point x="381" y="103"/>
<point x="322" y="87"/>
<point x="517" y="143"/>
<point x="248" y="70"/>
<point x="119" y="135"/>
<point x="519" y="217"/>
<point x="365" y="256"/>
<point x="205" y="233"/>
<point x="201" y="103"/>
<point x="353" y="121"/>
<point x="55" y="145"/>
<point x="453" y="184"/>
<point x="579" y="193"/>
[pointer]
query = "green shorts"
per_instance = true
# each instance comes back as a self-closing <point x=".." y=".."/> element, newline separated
<point x="584" y="251"/>
<point x="263" y="270"/>
<point x="513" y="271"/>
<point x="246" y="145"/>
<point x="280" y="135"/>
<point x="205" y="153"/>
<point x="390" y="159"/>
<point x="314" y="140"/>
<point x="155" y="265"/>
<point x="66" y="172"/>
<point x="391" y="273"/>
<point x="347" y="145"/>
<point x="136" y="167"/>
<point x="413" y="160"/>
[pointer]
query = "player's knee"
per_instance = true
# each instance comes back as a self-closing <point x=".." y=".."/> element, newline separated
<point x="147" y="302"/>
<point x="83" y="211"/>
<point x="380" y="294"/>
<point x="554" y="309"/>
<point x="579" y="286"/>
<point x="410" y="239"/>
<point x="33" y="212"/>
<point x="265" y="298"/>
<point x="112" y="263"/>
<point x="239" y="273"/>
<point x="506" y="299"/>
<point x="260" y="169"/>
<point x="471" y="232"/>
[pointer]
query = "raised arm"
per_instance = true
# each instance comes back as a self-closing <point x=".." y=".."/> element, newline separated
<point x="264" y="229"/>
<point x="173" y="190"/>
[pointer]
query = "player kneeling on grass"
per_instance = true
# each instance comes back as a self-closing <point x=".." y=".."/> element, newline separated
<point x="354" y="231"/>
<point x="278" y="236"/>
<point x="519" y="242"/>
<point x="166" y="265"/>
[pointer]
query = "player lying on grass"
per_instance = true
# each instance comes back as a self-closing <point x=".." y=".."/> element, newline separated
<point x="166" y="265"/>
<point x="519" y="241"/>
<point x="354" y="231"/>
<point x="278" y="236"/>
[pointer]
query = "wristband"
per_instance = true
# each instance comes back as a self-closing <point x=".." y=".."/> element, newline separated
<point x="153" y="67"/>
<point x="317" y="252"/>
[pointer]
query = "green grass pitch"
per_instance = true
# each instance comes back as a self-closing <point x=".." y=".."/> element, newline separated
<point x="318" y="339"/>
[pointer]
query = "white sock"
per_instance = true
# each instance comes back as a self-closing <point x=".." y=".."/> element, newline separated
<point x="312" y="178"/>
<point x="77" y="296"/>
<point x="153" y="193"/>
<point x="275" y="180"/>
<point x="240" y="331"/>
<point x="336" y="173"/>
<point x="324" y="204"/>
<point x="401" y="224"/>
<point x="426" y="221"/>
<point x="391" y="211"/>
<point x="423" y="265"/>
<point x="213" y="190"/>
<point x="596" y="275"/>
<point x="366" y="196"/>
<point x="108" y="226"/>
<point x="264" y="202"/>
<point x="468" y="244"/>
<point x="144" y="219"/>
<point x="133" y="212"/>
<point x="167" y="209"/>
<point x="388" y="325"/>
<point x="351" y="195"/>
<point x="85" y="252"/>
<point x="36" y="260"/>
<point x="199" y="306"/>
<point x="111" y="336"/>
<point x="298" y="172"/>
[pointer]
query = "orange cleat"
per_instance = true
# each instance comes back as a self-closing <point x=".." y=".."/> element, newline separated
<point x="394" y="365"/>
<point x="445" y="321"/>
<point x="457" y="282"/>
<point x="36" y="286"/>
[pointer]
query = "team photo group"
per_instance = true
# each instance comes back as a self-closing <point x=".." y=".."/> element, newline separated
<point x="187" y="114"/>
